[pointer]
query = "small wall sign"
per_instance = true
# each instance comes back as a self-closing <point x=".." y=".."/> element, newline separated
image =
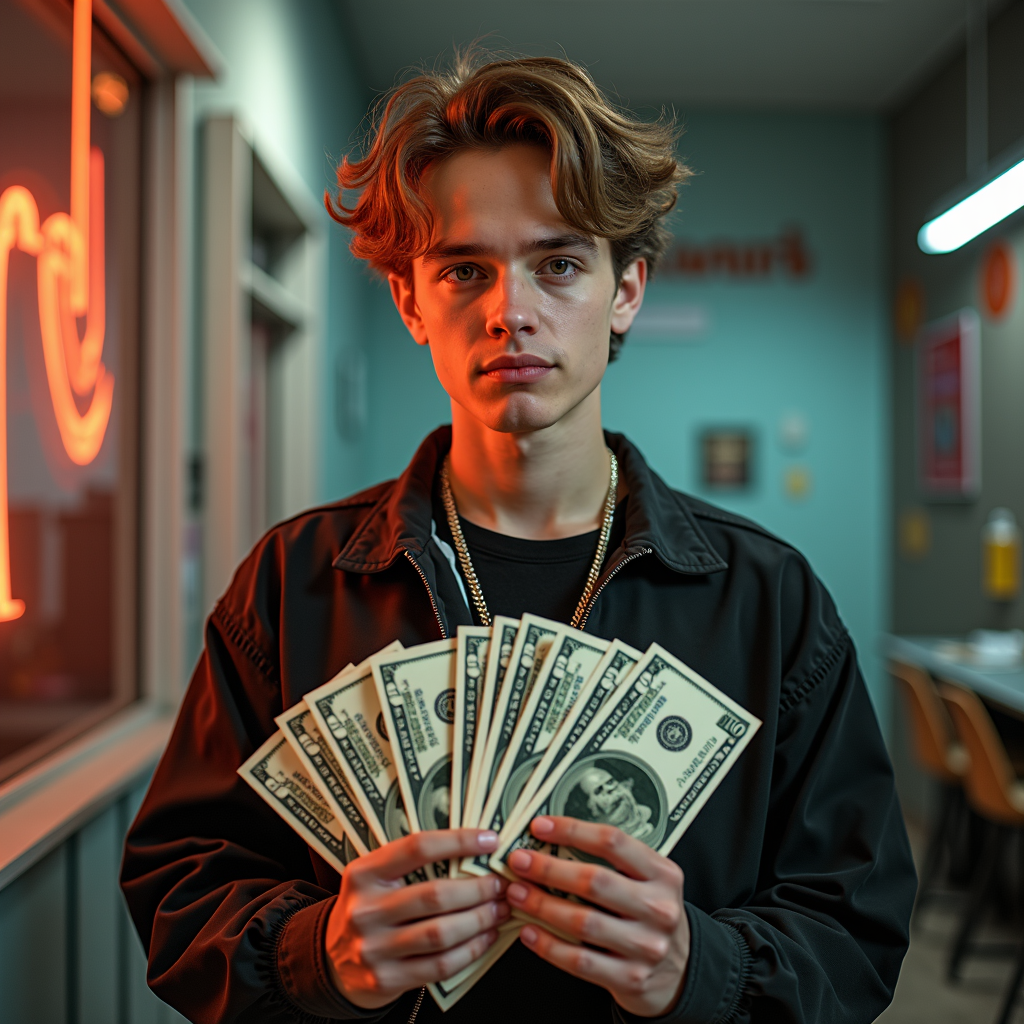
<point x="726" y="457"/>
<point x="755" y="259"/>
<point x="948" y="406"/>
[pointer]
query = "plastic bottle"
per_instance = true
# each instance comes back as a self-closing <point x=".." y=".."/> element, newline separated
<point x="1000" y="539"/>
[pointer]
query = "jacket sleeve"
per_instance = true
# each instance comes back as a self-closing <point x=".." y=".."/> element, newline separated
<point x="223" y="894"/>
<point x="823" y="937"/>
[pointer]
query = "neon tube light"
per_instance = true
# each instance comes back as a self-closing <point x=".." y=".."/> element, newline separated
<point x="977" y="213"/>
<point x="70" y="283"/>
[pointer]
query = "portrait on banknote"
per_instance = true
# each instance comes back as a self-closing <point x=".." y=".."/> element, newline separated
<point x="615" y="789"/>
<point x="436" y="796"/>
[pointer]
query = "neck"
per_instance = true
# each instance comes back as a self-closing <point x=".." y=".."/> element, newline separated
<point x="538" y="485"/>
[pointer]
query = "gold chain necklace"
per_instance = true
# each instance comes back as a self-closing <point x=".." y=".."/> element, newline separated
<point x="462" y="549"/>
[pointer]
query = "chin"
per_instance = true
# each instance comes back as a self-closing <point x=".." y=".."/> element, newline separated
<point x="520" y="414"/>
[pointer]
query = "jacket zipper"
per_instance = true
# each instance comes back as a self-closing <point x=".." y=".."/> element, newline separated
<point x="416" y="1008"/>
<point x="604" y="583"/>
<point x="430" y="593"/>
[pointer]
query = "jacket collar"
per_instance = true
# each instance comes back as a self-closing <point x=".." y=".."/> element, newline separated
<point x="657" y="517"/>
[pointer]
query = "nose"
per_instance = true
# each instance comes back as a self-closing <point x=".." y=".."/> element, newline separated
<point x="511" y="314"/>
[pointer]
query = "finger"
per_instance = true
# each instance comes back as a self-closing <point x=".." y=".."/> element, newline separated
<point x="403" y="856"/>
<point x="627" y="938"/>
<point x="402" y="975"/>
<point x="628" y="855"/>
<point x="609" y="972"/>
<point x="437" y="934"/>
<point x="592" y="882"/>
<point x="430" y="899"/>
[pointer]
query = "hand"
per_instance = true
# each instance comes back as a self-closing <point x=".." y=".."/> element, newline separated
<point x="646" y="934"/>
<point x="385" y="937"/>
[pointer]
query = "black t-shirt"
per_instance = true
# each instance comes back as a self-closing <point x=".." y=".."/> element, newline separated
<point x="545" y="577"/>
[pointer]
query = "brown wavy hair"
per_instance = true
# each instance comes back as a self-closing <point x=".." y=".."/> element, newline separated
<point x="613" y="176"/>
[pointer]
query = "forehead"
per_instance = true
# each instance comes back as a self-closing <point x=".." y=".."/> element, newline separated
<point x="492" y="190"/>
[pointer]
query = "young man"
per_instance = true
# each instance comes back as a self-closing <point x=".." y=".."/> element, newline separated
<point x="518" y="216"/>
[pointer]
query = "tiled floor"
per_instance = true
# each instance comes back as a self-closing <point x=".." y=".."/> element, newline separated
<point x="924" y="996"/>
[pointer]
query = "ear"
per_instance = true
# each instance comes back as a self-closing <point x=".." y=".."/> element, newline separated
<point x="403" y="292"/>
<point x="630" y="296"/>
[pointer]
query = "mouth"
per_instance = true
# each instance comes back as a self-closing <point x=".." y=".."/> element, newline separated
<point x="517" y="369"/>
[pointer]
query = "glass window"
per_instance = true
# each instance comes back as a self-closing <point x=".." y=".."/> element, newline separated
<point x="70" y="116"/>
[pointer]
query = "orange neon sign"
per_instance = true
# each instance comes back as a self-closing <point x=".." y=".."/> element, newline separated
<point x="70" y="283"/>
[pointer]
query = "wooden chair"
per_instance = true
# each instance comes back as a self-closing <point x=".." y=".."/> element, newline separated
<point x="938" y="753"/>
<point x="995" y="793"/>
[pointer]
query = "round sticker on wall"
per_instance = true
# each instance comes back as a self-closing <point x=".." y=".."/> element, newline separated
<point x="998" y="284"/>
<point x="909" y="311"/>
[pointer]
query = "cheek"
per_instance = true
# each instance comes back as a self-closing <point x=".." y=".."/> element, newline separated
<point x="584" y="320"/>
<point x="583" y="329"/>
<point x="450" y="330"/>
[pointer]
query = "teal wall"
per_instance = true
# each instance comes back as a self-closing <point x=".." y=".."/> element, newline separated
<point x="817" y="347"/>
<point x="288" y="71"/>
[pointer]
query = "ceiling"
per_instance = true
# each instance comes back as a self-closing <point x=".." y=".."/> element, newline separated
<point x="783" y="54"/>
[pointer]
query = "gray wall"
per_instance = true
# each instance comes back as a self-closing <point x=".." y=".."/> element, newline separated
<point x="68" y="951"/>
<point x="941" y="591"/>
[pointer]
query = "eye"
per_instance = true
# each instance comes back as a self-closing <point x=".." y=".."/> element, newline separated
<point x="462" y="273"/>
<point x="560" y="267"/>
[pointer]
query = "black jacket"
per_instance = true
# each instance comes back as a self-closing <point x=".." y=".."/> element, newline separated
<point x="799" y="879"/>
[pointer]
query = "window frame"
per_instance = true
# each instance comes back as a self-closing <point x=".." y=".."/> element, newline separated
<point x="88" y="766"/>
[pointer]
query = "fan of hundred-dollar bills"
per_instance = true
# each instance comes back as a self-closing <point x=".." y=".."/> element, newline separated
<point x="488" y="730"/>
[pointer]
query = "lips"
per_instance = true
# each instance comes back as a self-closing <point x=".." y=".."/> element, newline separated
<point x="517" y="369"/>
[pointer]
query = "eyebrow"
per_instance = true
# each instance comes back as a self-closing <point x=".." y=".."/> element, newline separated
<point x="571" y="240"/>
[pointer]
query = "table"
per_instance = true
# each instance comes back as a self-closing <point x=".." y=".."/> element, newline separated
<point x="1002" y="686"/>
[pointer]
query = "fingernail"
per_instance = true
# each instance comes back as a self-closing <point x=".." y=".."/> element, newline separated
<point x="528" y="935"/>
<point x="520" y="861"/>
<point x="487" y="840"/>
<point x="502" y="910"/>
<point x="543" y="826"/>
<point x="500" y="884"/>
<point x="517" y="893"/>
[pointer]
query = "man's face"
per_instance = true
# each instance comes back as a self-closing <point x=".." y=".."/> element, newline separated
<point x="516" y="305"/>
<point x="605" y="794"/>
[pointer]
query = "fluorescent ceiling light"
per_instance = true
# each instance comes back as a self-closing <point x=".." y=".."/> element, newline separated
<point x="977" y="213"/>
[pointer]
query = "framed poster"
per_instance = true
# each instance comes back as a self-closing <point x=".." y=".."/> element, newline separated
<point x="726" y="458"/>
<point x="949" y="406"/>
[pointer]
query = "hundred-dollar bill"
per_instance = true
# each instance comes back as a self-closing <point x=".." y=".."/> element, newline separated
<point x="347" y="712"/>
<point x="649" y="760"/>
<point x="447" y="993"/>
<point x="533" y="639"/>
<point x="280" y="778"/>
<point x="416" y="689"/>
<point x="305" y="739"/>
<point x="470" y="664"/>
<point x="612" y="670"/>
<point x="569" y="663"/>
<point x="503" y="638"/>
